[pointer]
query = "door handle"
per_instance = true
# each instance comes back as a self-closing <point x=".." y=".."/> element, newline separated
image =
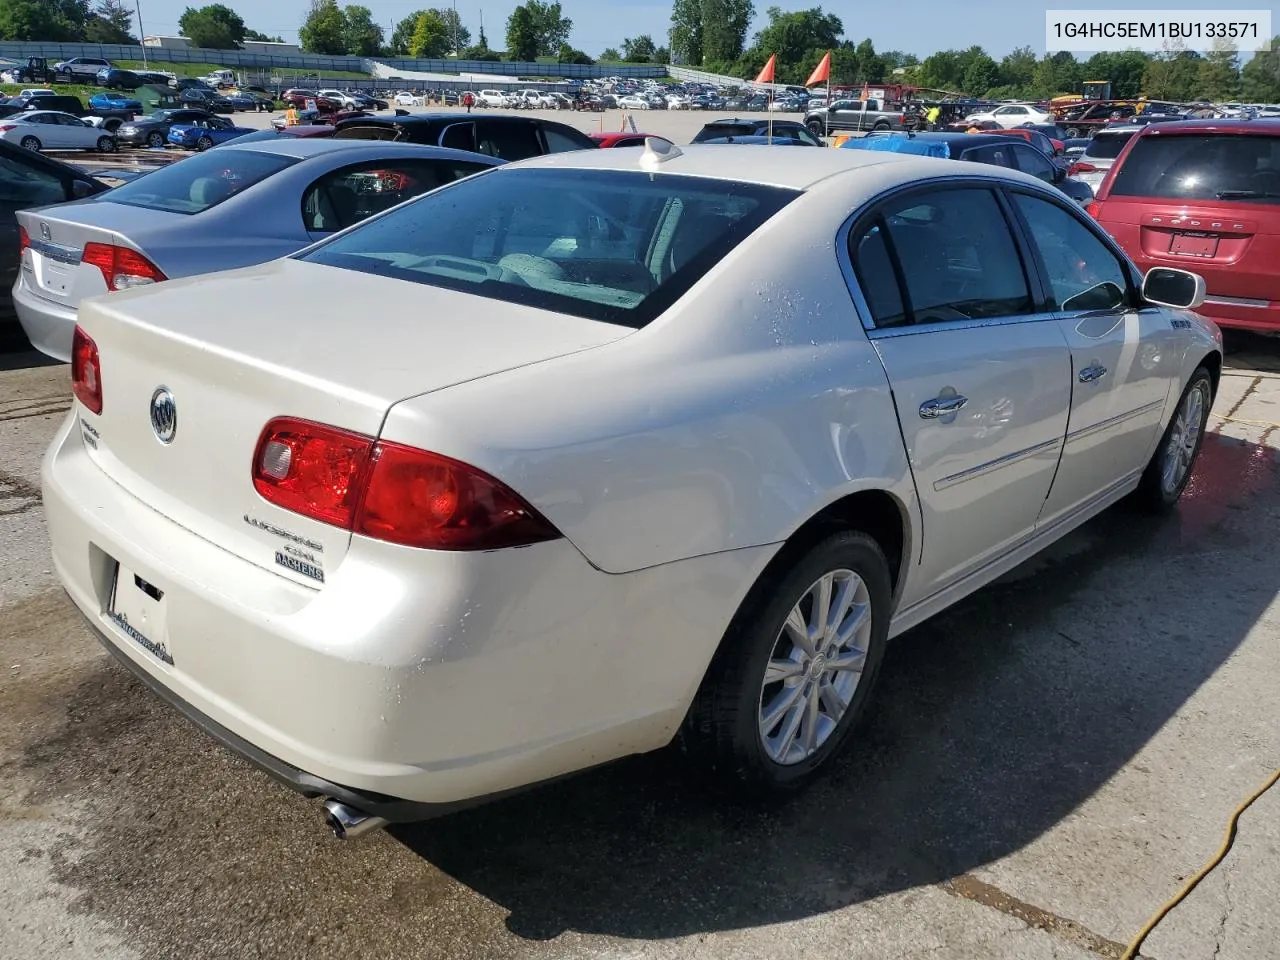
<point x="1090" y="374"/>
<point x="942" y="407"/>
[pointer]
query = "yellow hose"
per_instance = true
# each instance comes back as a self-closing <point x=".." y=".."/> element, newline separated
<point x="1227" y="841"/>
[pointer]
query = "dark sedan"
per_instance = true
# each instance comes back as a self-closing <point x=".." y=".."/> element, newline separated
<point x="153" y="129"/>
<point x="757" y="127"/>
<point x="497" y="135"/>
<point x="251" y="101"/>
<point x="210" y="100"/>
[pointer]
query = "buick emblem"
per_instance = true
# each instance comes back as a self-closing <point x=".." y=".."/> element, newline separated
<point x="164" y="415"/>
<point x="44" y="231"/>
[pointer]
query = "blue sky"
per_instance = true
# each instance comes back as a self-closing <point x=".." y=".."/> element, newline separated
<point x="916" y="27"/>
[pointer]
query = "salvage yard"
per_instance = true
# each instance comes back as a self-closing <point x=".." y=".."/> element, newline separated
<point x="1043" y="766"/>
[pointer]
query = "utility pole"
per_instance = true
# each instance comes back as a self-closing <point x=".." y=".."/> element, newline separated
<point x="457" y="54"/>
<point x="142" y="36"/>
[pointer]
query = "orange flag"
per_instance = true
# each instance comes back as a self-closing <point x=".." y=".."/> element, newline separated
<point x="821" y="73"/>
<point x="766" y="75"/>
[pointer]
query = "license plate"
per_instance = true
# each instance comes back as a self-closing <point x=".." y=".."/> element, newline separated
<point x="56" y="277"/>
<point x="1194" y="245"/>
<point x="137" y="608"/>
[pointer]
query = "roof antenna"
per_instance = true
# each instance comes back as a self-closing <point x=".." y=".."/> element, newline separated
<point x="657" y="152"/>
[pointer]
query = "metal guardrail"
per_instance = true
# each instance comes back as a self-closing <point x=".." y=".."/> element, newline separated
<point x="21" y="50"/>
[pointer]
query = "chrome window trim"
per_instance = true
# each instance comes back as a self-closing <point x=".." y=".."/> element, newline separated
<point x="983" y="469"/>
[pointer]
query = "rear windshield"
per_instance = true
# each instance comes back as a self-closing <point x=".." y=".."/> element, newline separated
<point x="1209" y="167"/>
<point x="200" y="182"/>
<point x="1107" y="146"/>
<point x="618" y="246"/>
<point x="716" y="131"/>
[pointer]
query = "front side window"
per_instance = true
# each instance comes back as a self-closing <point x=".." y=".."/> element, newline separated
<point x="345" y="197"/>
<point x="618" y="246"/>
<point x="997" y="155"/>
<point x="952" y="256"/>
<point x="1082" y="273"/>
<point x="1033" y="162"/>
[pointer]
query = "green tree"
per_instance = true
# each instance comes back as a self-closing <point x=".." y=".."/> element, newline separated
<point x="943" y="70"/>
<point x="567" y="54"/>
<point x="981" y="73"/>
<point x="403" y="33"/>
<point x="42" y="20"/>
<point x="1018" y="68"/>
<point x="1055" y="75"/>
<point x="216" y="27"/>
<point x="639" y="50"/>
<point x="110" y="22"/>
<point x="870" y="67"/>
<point x="686" y="31"/>
<point x="1173" y="74"/>
<point x="459" y="36"/>
<point x="897" y="60"/>
<point x="724" y="28"/>
<point x="325" y="29"/>
<point x="1124" y="69"/>
<point x="792" y="35"/>
<point x="662" y="55"/>
<point x="362" y="37"/>
<point x="1260" y="77"/>
<point x="430" y="38"/>
<point x="1219" y="77"/>
<point x="611" y="55"/>
<point x="522" y="34"/>
<point x="262" y="37"/>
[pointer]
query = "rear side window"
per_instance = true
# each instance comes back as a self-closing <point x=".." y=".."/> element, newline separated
<point x="508" y="141"/>
<point x="1107" y="146"/>
<point x="716" y="131"/>
<point x="345" y="197"/>
<point x="618" y="246"/>
<point x="560" y="140"/>
<point x="951" y="254"/>
<point x="199" y="182"/>
<point x="1209" y="167"/>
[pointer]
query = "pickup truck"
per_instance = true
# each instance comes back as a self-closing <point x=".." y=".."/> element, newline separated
<point x="846" y="115"/>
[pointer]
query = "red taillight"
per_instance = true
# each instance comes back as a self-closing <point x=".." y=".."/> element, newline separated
<point x="121" y="267"/>
<point x="6" y="127"/>
<point x="1092" y="208"/>
<point x="86" y="371"/>
<point x="1080" y="166"/>
<point x="24" y="240"/>
<point x="389" y="491"/>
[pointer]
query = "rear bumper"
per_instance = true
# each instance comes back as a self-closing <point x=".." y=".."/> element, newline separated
<point x="48" y="325"/>
<point x="413" y="681"/>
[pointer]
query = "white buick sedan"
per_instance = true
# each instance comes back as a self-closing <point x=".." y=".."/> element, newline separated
<point x="602" y="450"/>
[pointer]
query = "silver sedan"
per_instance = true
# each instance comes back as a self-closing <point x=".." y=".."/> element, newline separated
<point x="233" y="207"/>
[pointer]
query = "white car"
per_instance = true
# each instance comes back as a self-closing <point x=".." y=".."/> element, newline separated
<point x="35" y="92"/>
<point x="1011" y="115"/>
<point x="54" y="130"/>
<point x="633" y="102"/>
<point x="618" y="459"/>
<point x="536" y="99"/>
<point x="405" y="99"/>
<point x="493" y="98"/>
<point x="339" y="96"/>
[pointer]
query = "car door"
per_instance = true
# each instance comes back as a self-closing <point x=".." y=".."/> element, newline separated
<point x="1124" y="354"/>
<point x="981" y="381"/>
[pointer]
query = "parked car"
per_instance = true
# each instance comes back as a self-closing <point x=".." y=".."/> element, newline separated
<point x="496" y="135"/>
<point x="1050" y="130"/>
<point x="206" y="132"/>
<point x="493" y="98"/>
<point x="253" y="102"/>
<point x="998" y="149"/>
<point x="341" y="98"/>
<point x="1100" y="153"/>
<point x="1011" y="115"/>
<point x="1073" y="148"/>
<point x="152" y="130"/>
<point x="297" y="130"/>
<point x="51" y="130"/>
<point x="634" y="102"/>
<point x="762" y="140"/>
<point x="523" y="442"/>
<point x="757" y="127"/>
<point x="1085" y="118"/>
<point x="365" y="102"/>
<point x="80" y="69"/>
<point x="31" y="92"/>
<point x="243" y="204"/>
<point x="852" y="115"/>
<point x="404" y="99"/>
<point x="1049" y="147"/>
<point x="623" y="139"/>
<point x="28" y="179"/>
<point x="105" y="118"/>
<point x="206" y="99"/>
<point x="1204" y="194"/>
<point x="113" y="78"/>
<point x="114" y="101"/>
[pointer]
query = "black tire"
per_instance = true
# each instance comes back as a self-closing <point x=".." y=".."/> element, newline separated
<point x="881" y="125"/>
<point x="1073" y="133"/>
<point x="720" y="735"/>
<point x="1154" y="495"/>
<point x="155" y="139"/>
<point x="106" y="144"/>
<point x="30" y="143"/>
<point x="204" y="143"/>
<point x="817" y="128"/>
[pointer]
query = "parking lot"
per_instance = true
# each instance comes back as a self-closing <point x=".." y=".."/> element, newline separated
<point x="1044" y="765"/>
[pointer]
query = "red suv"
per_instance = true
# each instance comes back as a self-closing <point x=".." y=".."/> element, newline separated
<point x="1203" y="195"/>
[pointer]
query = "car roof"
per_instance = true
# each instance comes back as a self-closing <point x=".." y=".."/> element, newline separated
<point x="28" y="114"/>
<point x="1266" y="127"/>
<point x="796" y="169"/>
<point x="302" y="148"/>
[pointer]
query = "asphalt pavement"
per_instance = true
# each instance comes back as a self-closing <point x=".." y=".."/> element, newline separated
<point x="1044" y="764"/>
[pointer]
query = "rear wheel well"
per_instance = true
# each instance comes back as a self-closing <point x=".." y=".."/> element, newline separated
<point x="874" y="512"/>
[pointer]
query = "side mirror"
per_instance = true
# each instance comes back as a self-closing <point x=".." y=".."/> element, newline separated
<point x="1171" y="287"/>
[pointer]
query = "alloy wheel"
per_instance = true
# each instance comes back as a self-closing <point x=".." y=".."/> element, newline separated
<point x="1180" y="448"/>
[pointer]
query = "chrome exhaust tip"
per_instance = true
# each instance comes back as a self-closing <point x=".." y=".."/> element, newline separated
<point x="347" y="823"/>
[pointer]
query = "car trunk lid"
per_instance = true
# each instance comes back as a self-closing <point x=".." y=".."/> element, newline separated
<point x="285" y="339"/>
